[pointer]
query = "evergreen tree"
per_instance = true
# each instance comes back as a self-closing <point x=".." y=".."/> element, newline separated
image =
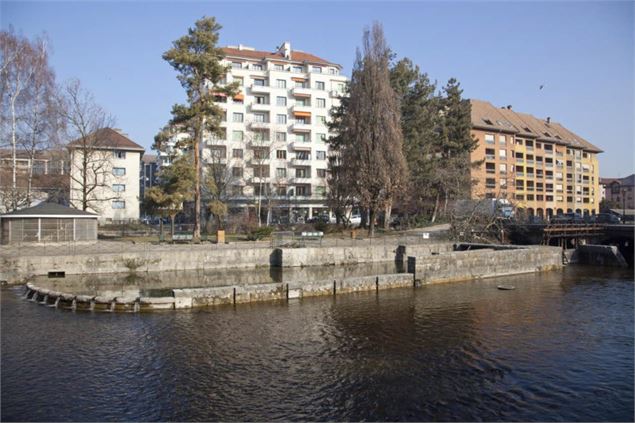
<point x="198" y="61"/>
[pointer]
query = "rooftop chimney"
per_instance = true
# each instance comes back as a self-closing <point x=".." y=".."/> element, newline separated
<point x="548" y="119"/>
<point x="285" y="49"/>
<point x="509" y="107"/>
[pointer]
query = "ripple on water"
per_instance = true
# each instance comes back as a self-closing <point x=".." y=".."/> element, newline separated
<point x="560" y="347"/>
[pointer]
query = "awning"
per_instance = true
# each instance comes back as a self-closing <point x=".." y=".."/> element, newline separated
<point x="219" y="94"/>
<point x="302" y="114"/>
<point x="239" y="96"/>
<point x="299" y="79"/>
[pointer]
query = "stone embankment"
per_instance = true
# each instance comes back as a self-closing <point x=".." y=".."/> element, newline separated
<point x="427" y="263"/>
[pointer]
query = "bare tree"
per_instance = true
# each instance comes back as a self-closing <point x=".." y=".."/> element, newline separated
<point x="26" y="84"/>
<point x="260" y="154"/>
<point x="91" y="172"/>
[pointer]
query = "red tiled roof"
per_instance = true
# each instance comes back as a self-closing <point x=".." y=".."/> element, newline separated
<point x="110" y="139"/>
<point x="296" y="56"/>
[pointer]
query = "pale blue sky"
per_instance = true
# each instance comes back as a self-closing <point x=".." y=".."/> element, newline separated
<point x="582" y="52"/>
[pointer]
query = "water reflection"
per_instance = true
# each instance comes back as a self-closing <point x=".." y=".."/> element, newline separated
<point x="559" y="347"/>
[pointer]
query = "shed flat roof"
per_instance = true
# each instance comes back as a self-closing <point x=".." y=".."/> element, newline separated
<point x="49" y="210"/>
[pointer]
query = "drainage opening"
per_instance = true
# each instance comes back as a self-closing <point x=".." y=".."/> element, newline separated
<point x="57" y="274"/>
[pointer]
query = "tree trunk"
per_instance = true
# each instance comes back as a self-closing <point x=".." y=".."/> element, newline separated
<point x="445" y="204"/>
<point x="14" y="152"/>
<point x="387" y="214"/>
<point x="196" y="235"/>
<point x="436" y="209"/>
<point x="172" y="216"/>
<point x="371" y="222"/>
<point x="161" y="228"/>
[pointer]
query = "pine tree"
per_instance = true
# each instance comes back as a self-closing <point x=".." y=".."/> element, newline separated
<point x="198" y="61"/>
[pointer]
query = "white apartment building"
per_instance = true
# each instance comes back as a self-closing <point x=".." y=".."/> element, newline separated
<point x="275" y="130"/>
<point x="112" y="178"/>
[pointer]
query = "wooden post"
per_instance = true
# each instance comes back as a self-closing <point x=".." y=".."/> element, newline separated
<point x="334" y="287"/>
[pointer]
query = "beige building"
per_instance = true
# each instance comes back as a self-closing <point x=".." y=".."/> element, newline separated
<point x="275" y="130"/>
<point x="111" y="186"/>
<point x="543" y="168"/>
<point x="620" y="192"/>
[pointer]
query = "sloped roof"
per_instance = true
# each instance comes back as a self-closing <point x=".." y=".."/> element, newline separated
<point x="626" y="181"/>
<point x="486" y="116"/>
<point x="296" y="56"/>
<point x="49" y="209"/>
<point x="108" y="138"/>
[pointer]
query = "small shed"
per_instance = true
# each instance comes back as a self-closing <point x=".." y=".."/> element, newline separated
<point x="48" y="223"/>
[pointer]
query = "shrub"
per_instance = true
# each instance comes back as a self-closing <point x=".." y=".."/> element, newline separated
<point x="260" y="233"/>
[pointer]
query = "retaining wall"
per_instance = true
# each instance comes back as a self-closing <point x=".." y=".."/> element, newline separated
<point x="599" y="255"/>
<point x="484" y="263"/>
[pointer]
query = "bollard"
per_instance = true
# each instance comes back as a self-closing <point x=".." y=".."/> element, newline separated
<point x="334" y="287"/>
<point x="377" y="284"/>
<point x="287" y="292"/>
<point x="234" y="295"/>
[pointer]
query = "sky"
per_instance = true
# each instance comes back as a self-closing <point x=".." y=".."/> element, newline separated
<point x="582" y="53"/>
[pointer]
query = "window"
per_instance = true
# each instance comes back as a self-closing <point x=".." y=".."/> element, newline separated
<point x="281" y="136"/>
<point x="301" y="137"/>
<point x="301" y="120"/>
<point x="281" y="83"/>
<point x="297" y="69"/>
<point x="320" y="85"/>
<point x="260" y="117"/>
<point x="317" y="69"/>
<point x="281" y="190"/>
<point x="237" y="153"/>
<point x="502" y="168"/>
<point x="237" y="135"/>
<point x="260" y="99"/>
<point x="503" y="183"/>
<point x="321" y="120"/>
<point x="119" y="154"/>
<point x="237" y="190"/>
<point x="321" y="103"/>
<point x="261" y="135"/>
<point x="303" y="155"/>
<point x="333" y="71"/>
<point x="118" y="187"/>
<point x="240" y="80"/>
<point x="490" y="183"/>
<point x="320" y="191"/>
<point x="118" y="204"/>
<point x="303" y="102"/>
<point x="237" y="117"/>
<point x="321" y="173"/>
<point x="281" y="119"/>
<point x="489" y="138"/>
<point x="237" y="65"/>
<point x="281" y="154"/>
<point x="218" y="152"/>
<point x="320" y="155"/>
<point x="237" y="172"/>
<point x="490" y="167"/>
<point x="501" y="139"/>
<point x="281" y="172"/>
<point x="259" y="82"/>
<point x="281" y="101"/>
<point x="256" y="66"/>
<point x="320" y="137"/>
<point x="119" y="171"/>
<point x="502" y="154"/>
<point x="301" y="190"/>
<point x="303" y="172"/>
<point x="278" y="67"/>
<point x="261" y="171"/>
<point x="299" y="84"/>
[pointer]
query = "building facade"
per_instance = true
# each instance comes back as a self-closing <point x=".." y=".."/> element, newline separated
<point x="273" y="148"/>
<point x="620" y="192"/>
<point x="540" y="166"/>
<point x="149" y="173"/>
<point x="104" y="169"/>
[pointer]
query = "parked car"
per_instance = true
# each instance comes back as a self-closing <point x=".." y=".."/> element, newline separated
<point x="568" y="218"/>
<point x="606" y="218"/>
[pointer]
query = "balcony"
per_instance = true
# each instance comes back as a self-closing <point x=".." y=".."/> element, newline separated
<point x="519" y="160"/>
<point x="301" y="145"/>
<point x="300" y="180"/>
<point x="300" y="162"/>
<point x="301" y="92"/>
<point x="301" y="127"/>
<point x="259" y="125"/>
<point x="258" y="162"/>
<point x="260" y="107"/>
<point x="301" y="108"/>
<point x="490" y="157"/>
<point x="520" y="174"/>
<point x="260" y="89"/>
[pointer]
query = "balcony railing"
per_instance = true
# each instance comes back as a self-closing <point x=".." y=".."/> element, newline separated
<point x="260" y="89"/>
<point x="301" y="127"/>
<point x="301" y="92"/>
<point x="490" y="157"/>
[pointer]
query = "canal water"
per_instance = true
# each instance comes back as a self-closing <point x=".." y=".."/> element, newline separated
<point x="558" y="347"/>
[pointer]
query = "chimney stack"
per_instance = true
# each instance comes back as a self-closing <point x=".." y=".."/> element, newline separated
<point x="285" y="49"/>
<point x="548" y="119"/>
<point x="509" y="107"/>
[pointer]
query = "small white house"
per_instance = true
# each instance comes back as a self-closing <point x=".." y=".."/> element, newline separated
<point x="104" y="175"/>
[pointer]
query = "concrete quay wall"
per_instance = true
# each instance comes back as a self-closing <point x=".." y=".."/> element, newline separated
<point x="484" y="263"/>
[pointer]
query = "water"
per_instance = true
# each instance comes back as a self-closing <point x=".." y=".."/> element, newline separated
<point x="559" y="347"/>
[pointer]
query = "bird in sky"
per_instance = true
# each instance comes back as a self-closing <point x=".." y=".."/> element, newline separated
<point x="541" y="87"/>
